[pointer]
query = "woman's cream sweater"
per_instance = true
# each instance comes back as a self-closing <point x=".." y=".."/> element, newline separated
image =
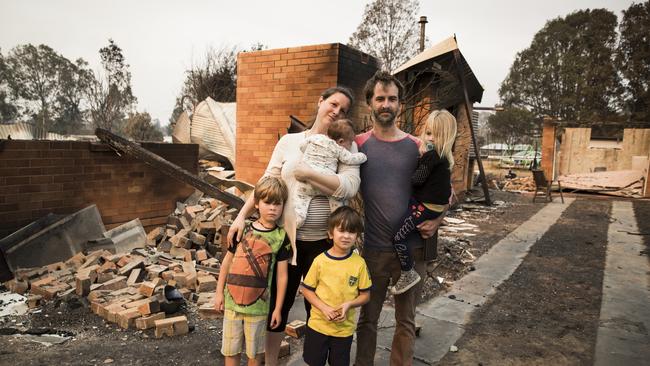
<point x="286" y="155"/>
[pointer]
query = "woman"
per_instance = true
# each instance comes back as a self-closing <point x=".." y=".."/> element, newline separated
<point x="311" y="238"/>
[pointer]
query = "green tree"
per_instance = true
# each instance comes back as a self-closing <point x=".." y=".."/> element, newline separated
<point x="139" y="127"/>
<point x="33" y="75"/>
<point x="184" y="103"/>
<point x="8" y="110"/>
<point x="634" y="59"/>
<point x="389" y="31"/>
<point x="513" y="126"/>
<point x="215" y="76"/>
<point x="568" y="70"/>
<point x="169" y="129"/>
<point x="75" y="79"/>
<point x="48" y="87"/>
<point x="110" y="96"/>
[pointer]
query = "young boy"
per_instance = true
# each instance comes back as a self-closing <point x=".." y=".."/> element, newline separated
<point x="246" y="273"/>
<point x="323" y="154"/>
<point x="337" y="282"/>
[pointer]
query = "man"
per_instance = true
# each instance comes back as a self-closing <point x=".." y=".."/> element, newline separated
<point x="386" y="188"/>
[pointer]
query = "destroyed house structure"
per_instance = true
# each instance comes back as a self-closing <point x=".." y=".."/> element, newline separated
<point x="212" y="127"/>
<point x="610" y="158"/>
<point x="40" y="177"/>
<point x="432" y="81"/>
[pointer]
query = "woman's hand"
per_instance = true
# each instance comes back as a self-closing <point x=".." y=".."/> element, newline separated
<point x="236" y="230"/>
<point x="303" y="172"/>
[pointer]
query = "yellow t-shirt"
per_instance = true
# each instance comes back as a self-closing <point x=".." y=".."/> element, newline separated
<point x="336" y="280"/>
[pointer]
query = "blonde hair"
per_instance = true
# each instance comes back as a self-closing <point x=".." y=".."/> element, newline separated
<point x="270" y="189"/>
<point x="442" y="125"/>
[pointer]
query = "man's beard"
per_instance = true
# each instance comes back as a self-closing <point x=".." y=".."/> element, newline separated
<point x="384" y="121"/>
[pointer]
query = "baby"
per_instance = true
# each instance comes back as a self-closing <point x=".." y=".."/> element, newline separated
<point x="323" y="154"/>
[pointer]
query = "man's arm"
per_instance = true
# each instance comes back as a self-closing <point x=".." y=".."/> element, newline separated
<point x="429" y="227"/>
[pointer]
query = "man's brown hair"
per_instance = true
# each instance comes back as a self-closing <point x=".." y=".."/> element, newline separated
<point x="385" y="78"/>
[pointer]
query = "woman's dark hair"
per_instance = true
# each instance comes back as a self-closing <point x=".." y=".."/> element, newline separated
<point x="338" y="89"/>
<point x="345" y="218"/>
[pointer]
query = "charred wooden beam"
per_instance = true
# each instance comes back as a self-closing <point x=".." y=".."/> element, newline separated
<point x="461" y="76"/>
<point x="172" y="170"/>
<point x="296" y="125"/>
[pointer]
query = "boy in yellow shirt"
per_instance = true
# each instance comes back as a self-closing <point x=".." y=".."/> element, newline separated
<point x="337" y="282"/>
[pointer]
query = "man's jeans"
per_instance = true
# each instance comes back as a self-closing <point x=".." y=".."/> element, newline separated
<point x="384" y="266"/>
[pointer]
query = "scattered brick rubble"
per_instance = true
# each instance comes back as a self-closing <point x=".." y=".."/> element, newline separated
<point x="129" y="289"/>
<point x="520" y="184"/>
<point x="456" y="251"/>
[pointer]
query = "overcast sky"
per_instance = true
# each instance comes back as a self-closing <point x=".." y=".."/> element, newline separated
<point x="161" y="38"/>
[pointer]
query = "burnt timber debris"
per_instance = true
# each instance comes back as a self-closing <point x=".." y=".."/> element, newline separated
<point x="172" y="170"/>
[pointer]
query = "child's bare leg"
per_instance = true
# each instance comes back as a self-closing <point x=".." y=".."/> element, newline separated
<point x="257" y="361"/>
<point x="233" y="360"/>
<point x="272" y="347"/>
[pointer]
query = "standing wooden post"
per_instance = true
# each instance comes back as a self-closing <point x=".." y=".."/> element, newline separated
<point x="461" y="76"/>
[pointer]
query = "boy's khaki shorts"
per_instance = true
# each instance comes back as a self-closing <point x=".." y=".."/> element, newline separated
<point x="239" y="328"/>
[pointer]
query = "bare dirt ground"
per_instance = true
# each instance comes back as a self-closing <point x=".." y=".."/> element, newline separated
<point x="95" y="342"/>
<point x="494" y="223"/>
<point x="642" y="213"/>
<point x="548" y="311"/>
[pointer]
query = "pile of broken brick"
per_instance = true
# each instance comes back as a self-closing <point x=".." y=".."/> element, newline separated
<point x="519" y="184"/>
<point x="133" y="289"/>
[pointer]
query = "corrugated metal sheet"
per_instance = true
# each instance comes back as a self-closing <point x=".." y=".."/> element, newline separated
<point x="213" y="127"/>
<point x="27" y="131"/>
<point x="181" y="134"/>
